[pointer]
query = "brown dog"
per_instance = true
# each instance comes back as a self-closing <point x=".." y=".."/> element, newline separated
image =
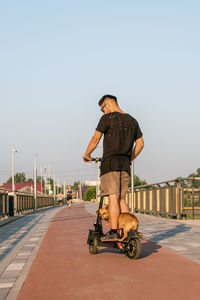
<point x="125" y="222"/>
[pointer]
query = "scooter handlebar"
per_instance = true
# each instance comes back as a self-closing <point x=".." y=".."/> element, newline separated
<point x="96" y="159"/>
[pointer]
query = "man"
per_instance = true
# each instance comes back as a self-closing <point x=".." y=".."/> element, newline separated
<point x="120" y="132"/>
<point x="69" y="196"/>
<point x="60" y="198"/>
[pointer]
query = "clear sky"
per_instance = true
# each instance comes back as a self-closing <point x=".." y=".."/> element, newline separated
<point x="57" y="58"/>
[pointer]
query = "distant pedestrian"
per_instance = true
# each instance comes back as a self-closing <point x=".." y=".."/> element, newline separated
<point x="60" y="198"/>
<point x="69" y="196"/>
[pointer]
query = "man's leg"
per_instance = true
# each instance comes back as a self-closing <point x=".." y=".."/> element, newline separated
<point x="123" y="206"/>
<point x="113" y="211"/>
<point x="124" y="186"/>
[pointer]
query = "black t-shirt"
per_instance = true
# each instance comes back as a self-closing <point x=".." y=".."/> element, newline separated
<point x="120" y="132"/>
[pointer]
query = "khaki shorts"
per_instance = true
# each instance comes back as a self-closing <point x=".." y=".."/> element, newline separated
<point x="110" y="183"/>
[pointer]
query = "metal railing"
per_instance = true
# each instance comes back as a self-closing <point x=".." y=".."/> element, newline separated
<point x="13" y="204"/>
<point x="24" y="202"/>
<point x="4" y="203"/>
<point x="173" y="198"/>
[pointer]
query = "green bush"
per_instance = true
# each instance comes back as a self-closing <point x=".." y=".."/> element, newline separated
<point x="90" y="194"/>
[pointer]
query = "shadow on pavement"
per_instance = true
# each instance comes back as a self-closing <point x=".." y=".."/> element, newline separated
<point x="148" y="248"/>
<point x="163" y="234"/>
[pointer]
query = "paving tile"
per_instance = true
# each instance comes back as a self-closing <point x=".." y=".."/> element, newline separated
<point x="6" y="285"/>
<point x="193" y="244"/>
<point x="6" y="247"/>
<point x="10" y="274"/>
<point x="4" y="293"/>
<point x="34" y="239"/>
<point x="24" y="253"/>
<point x="15" y="267"/>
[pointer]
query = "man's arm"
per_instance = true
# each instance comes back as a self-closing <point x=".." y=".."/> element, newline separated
<point x="92" y="145"/>
<point x="139" y="145"/>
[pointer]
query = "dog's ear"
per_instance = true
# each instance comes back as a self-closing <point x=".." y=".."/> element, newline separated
<point x="97" y="211"/>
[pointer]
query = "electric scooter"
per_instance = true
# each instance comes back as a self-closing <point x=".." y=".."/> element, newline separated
<point x="131" y="246"/>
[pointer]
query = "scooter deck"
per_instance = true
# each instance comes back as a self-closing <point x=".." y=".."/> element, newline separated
<point x="132" y="234"/>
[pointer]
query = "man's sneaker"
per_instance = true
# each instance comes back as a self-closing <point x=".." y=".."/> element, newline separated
<point x="110" y="236"/>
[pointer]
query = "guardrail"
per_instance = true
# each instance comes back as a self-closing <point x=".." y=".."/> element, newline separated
<point x="173" y="198"/>
<point x="11" y="205"/>
<point x="25" y="202"/>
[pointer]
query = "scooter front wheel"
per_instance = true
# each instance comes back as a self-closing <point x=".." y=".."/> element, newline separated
<point x="93" y="248"/>
<point x="134" y="249"/>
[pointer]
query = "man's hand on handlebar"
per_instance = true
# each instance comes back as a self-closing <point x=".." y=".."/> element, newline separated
<point x="87" y="158"/>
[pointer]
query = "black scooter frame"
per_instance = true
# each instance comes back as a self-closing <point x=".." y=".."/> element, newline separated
<point x="97" y="233"/>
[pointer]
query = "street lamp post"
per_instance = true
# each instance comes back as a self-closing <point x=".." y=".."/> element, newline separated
<point x="13" y="176"/>
<point x="35" y="180"/>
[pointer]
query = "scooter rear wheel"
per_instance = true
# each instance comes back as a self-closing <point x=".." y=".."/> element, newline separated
<point x="93" y="248"/>
<point x="134" y="249"/>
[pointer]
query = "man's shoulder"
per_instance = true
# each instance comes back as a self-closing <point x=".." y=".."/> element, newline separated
<point x="131" y="118"/>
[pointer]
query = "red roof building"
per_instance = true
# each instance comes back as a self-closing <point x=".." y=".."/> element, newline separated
<point x="23" y="187"/>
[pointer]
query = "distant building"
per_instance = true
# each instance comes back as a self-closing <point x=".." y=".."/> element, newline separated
<point x="91" y="183"/>
<point x="23" y="187"/>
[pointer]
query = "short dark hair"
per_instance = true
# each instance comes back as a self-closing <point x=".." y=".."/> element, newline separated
<point x="107" y="96"/>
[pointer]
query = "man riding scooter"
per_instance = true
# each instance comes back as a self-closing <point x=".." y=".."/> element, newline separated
<point x="120" y="132"/>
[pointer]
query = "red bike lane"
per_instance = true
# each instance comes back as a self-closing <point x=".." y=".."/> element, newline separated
<point x="64" y="268"/>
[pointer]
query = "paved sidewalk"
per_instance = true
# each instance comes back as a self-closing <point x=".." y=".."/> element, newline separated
<point x="64" y="269"/>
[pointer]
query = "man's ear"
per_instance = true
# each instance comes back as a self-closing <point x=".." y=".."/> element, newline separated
<point x="107" y="207"/>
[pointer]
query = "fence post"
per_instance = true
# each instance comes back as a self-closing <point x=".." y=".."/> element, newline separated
<point x="15" y="204"/>
<point x="178" y="199"/>
<point x="193" y="199"/>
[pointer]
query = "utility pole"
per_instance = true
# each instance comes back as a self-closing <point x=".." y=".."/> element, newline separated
<point x="41" y="179"/>
<point x="64" y="199"/>
<point x="57" y="185"/>
<point x="54" y="188"/>
<point x="45" y="179"/>
<point x="49" y="174"/>
<point x="80" y="191"/>
<point x="35" y="179"/>
<point x="13" y="172"/>
<point x="132" y="185"/>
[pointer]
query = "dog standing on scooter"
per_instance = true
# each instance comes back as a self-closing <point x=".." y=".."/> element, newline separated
<point x="125" y="222"/>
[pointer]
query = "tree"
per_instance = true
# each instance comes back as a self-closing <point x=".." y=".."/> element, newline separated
<point x="75" y="185"/>
<point x="90" y="193"/>
<point x="196" y="183"/>
<point x="19" y="178"/>
<point x="137" y="181"/>
<point x="29" y="180"/>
